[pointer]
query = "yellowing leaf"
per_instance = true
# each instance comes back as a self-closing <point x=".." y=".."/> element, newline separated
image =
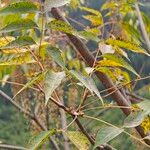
<point x="92" y="11"/>
<point x="42" y="50"/>
<point x="11" y="18"/>
<point x="19" y="60"/>
<point x="115" y="61"/>
<point x="15" y="46"/>
<point x="20" y="7"/>
<point x="62" y="26"/>
<point x="106" y="71"/>
<point x="95" y="17"/>
<point x="19" y="42"/>
<point x="120" y="51"/>
<point x="95" y="20"/>
<point x="78" y="139"/>
<point x="5" y="40"/>
<point x="108" y="63"/>
<point x="127" y="45"/>
<point x="116" y="74"/>
<point x="126" y="79"/>
<point x="21" y="24"/>
<point x="90" y="34"/>
<point x="95" y="31"/>
<point x="109" y="5"/>
<point x="131" y="32"/>
<point x="14" y="51"/>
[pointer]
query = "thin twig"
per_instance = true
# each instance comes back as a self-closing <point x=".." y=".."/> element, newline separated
<point x="103" y="107"/>
<point x="37" y="60"/>
<point x="20" y="84"/>
<point x="125" y="84"/>
<point x="65" y="128"/>
<point x="76" y="22"/>
<point x="142" y="26"/>
<point x="85" y="94"/>
<point x="140" y="73"/>
<point x="11" y="147"/>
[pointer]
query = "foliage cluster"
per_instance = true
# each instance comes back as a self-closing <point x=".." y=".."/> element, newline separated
<point x="40" y="56"/>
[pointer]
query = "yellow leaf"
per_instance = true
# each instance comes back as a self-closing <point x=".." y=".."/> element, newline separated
<point x="116" y="74"/>
<point x="14" y="51"/>
<point x="111" y="60"/>
<point x="108" y="63"/>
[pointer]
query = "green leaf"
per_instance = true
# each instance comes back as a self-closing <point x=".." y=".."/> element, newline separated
<point x="52" y="81"/>
<point x="118" y="60"/>
<point x="19" y="25"/>
<point x="20" y="7"/>
<point x="105" y="135"/>
<point x="134" y="119"/>
<point x="19" y="60"/>
<point x="56" y="54"/>
<point x="62" y="26"/>
<point x="78" y="139"/>
<point x="54" y="3"/>
<point x="35" y="79"/>
<point x="88" y="83"/>
<point x="40" y="139"/>
<point x="145" y="105"/>
<point x="19" y="42"/>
